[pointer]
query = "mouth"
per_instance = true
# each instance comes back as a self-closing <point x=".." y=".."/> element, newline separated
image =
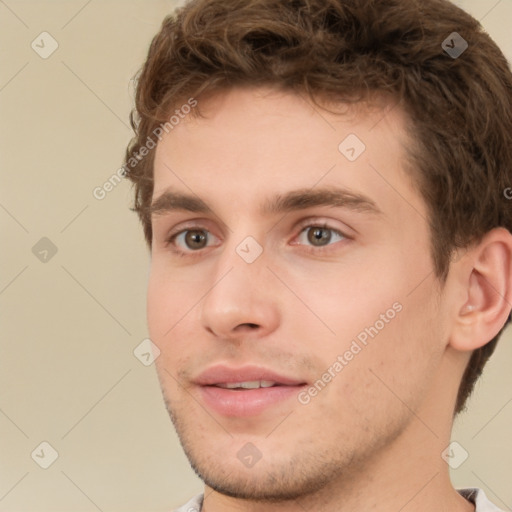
<point x="248" y="398"/>
<point x="245" y="391"/>
<point x="241" y="402"/>
<point x="253" y="384"/>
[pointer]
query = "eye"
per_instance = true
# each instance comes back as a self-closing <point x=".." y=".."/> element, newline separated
<point x="320" y="235"/>
<point x="189" y="240"/>
<point x="193" y="240"/>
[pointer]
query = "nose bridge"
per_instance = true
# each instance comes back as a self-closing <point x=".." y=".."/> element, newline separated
<point x="240" y="292"/>
<point x="243" y="253"/>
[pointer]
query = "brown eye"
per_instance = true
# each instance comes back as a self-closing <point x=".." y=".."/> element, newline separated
<point x="195" y="238"/>
<point x="191" y="242"/>
<point x="319" y="236"/>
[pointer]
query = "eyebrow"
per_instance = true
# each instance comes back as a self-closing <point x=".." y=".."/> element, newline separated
<point x="294" y="200"/>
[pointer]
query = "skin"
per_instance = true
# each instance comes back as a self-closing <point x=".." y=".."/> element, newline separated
<point x="372" y="438"/>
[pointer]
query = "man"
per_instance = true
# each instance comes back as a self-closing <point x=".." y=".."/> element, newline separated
<point x="331" y="256"/>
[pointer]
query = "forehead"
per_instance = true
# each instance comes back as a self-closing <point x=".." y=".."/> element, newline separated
<point x="254" y="143"/>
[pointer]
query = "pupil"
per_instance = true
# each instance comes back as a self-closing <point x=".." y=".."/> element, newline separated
<point x="319" y="235"/>
<point x="194" y="238"/>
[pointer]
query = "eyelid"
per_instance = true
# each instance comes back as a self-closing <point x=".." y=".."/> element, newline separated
<point x="188" y="225"/>
<point x="323" y="223"/>
<point x="199" y="225"/>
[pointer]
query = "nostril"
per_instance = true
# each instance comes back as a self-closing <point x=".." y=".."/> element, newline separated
<point x="247" y="327"/>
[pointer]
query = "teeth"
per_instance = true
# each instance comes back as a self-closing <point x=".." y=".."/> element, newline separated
<point x="253" y="384"/>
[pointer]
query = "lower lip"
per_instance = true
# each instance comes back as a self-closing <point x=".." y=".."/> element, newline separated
<point x="249" y="402"/>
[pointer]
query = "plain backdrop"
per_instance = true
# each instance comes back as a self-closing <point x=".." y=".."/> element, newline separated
<point x="73" y="272"/>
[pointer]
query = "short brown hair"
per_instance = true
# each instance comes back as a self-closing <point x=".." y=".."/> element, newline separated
<point x="460" y="106"/>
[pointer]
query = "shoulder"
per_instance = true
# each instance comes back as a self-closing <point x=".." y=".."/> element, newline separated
<point x="474" y="495"/>
<point x="194" y="505"/>
<point x="479" y="499"/>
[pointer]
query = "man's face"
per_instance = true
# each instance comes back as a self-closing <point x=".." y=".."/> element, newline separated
<point x="350" y="284"/>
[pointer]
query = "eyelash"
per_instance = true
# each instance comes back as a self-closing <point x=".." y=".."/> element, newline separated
<point x="169" y="242"/>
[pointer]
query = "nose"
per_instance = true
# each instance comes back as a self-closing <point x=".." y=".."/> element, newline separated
<point x="242" y="302"/>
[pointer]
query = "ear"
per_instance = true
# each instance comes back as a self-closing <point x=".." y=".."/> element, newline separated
<point x="484" y="276"/>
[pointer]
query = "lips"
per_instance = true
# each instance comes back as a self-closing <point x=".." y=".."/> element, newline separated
<point x="246" y="391"/>
<point x="221" y="374"/>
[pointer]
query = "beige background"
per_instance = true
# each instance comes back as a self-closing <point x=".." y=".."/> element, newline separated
<point x="68" y="375"/>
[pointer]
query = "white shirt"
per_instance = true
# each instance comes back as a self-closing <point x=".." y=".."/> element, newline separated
<point x="474" y="495"/>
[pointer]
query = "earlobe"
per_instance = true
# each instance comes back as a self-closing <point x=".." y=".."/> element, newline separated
<point x="486" y="275"/>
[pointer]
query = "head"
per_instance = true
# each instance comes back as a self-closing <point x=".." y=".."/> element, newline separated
<point x="264" y="96"/>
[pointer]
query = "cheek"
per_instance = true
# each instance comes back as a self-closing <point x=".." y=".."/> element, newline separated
<point x="371" y="317"/>
<point x="166" y="314"/>
<point x="342" y="302"/>
<point x="157" y="304"/>
<point x="167" y="303"/>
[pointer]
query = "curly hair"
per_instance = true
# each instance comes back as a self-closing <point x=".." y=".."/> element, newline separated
<point x="459" y="105"/>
